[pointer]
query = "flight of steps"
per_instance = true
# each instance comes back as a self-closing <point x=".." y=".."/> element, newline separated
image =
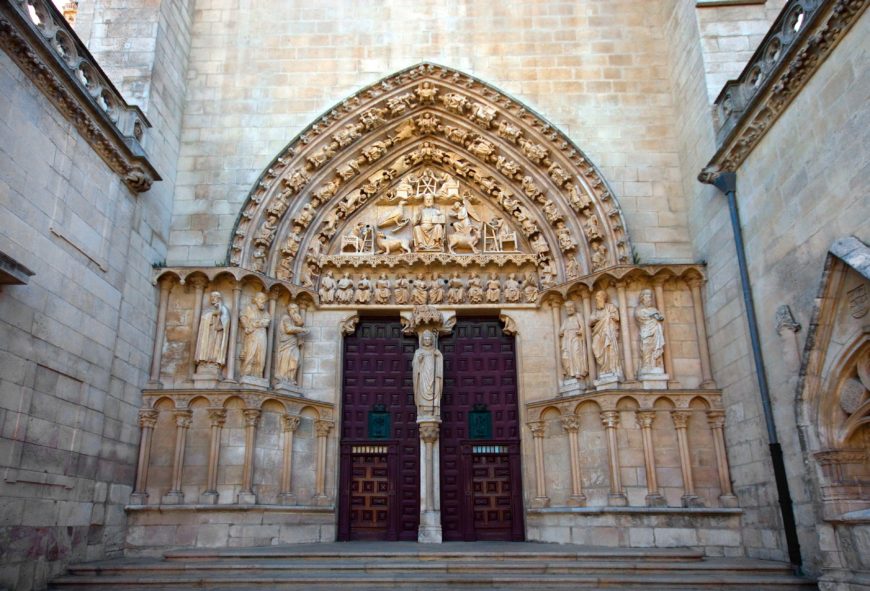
<point x="455" y="566"/>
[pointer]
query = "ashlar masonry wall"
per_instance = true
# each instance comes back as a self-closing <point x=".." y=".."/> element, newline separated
<point x="261" y="72"/>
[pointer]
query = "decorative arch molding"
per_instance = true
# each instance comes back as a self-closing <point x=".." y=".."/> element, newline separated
<point x="509" y="162"/>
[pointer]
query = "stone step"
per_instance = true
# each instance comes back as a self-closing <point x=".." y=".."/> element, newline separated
<point x="542" y="566"/>
<point x="437" y="582"/>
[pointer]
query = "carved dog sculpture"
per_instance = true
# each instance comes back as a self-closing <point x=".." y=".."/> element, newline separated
<point x="387" y="245"/>
<point x="469" y="240"/>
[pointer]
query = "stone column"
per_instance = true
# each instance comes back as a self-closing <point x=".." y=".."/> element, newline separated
<point x="199" y="284"/>
<point x="625" y="329"/>
<point x="290" y="424"/>
<point x="157" y="353"/>
<point x="429" y="531"/>
<point x="571" y="424"/>
<point x="716" y="420"/>
<point x="666" y="327"/>
<point x="234" y="333"/>
<point x="701" y="334"/>
<point x="175" y="496"/>
<point x="681" y="423"/>
<point x="610" y="420"/>
<point x="147" y="421"/>
<point x="541" y="499"/>
<point x="645" y="420"/>
<point x="270" y="338"/>
<point x="590" y="356"/>
<point x="556" y="311"/>
<point x="246" y="495"/>
<point x="217" y="418"/>
<point x="322" y="429"/>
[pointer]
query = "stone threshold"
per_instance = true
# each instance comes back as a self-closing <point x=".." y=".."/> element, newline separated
<point x="639" y="510"/>
<point x="202" y="508"/>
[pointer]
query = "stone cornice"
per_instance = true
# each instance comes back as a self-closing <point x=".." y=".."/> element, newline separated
<point x="44" y="46"/>
<point x="616" y="273"/>
<point x="185" y="275"/>
<point x="798" y="43"/>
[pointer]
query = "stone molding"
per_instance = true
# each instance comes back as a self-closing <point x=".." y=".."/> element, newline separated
<point x="493" y="144"/>
<point x="254" y="400"/>
<point x="795" y="47"/>
<point x="194" y="275"/>
<point x="12" y="272"/>
<point x="645" y="399"/>
<point x="48" y="51"/>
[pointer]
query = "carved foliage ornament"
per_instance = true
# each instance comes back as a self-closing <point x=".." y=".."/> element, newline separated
<point x="328" y="172"/>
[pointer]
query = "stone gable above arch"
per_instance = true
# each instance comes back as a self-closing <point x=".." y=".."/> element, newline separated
<point x="507" y="165"/>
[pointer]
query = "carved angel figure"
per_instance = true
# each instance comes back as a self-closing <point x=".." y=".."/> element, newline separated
<point x="402" y="293"/>
<point x="604" y="322"/>
<point x="382" y="290"/>
<point x="289" y="345"/>
<point x="214" y="330"/>
<point x="652" y="336"/>
<point x="573" y="344"/>
<point x="327" y="288"/>
<point x="344" y="291"/>
<point x="512" y="289"/>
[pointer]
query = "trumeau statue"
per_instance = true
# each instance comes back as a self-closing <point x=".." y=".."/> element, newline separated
<point x="428" y="376"/>
<point x="214" y="330"/>
<point x="254" y="320"/>
<point x="573" y="344"/>
<point x="652" y="336"/>
<point x="289" y="346"/>
<point x="604" y="322"/>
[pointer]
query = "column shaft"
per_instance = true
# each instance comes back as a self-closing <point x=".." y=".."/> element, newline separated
<point x="291" y="423"/>
<point x="716" y="420"/>
<point x="157" y="354"/>
<point x="541" y="499"/>
<point x="590" y="356"/>
<point x="701" y="335"/>
<point x="645" y="421"/>
<point x="681" y="422"/>
<point x="625" y="328"/>
<point x="234" y="333"/>
<point x="147" y="420"/>
<point x="666" y="326"/>
<point x="610" y="420"/>
<point x="246" y="494"/>
<point x="199" y="287"/>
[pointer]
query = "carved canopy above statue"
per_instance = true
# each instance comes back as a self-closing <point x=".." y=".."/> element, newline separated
<point x="430" y="166"/>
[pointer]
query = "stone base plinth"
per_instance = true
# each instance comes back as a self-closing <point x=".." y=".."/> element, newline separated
<point x="653" y="380"/>
<point x="172" y="498"/>
<point x="322" y="501"/>
<point x="715" y="531"/>
<point x="656" y="500"/>
<point x="152" y="530"/>
<point x="287" y="499"/>
<point x="254" y="381"/>
<point x="429" y="531"/>
<point x="207" y="376"/>
<point x="608" y="381"/>
<point x="577" y="501"/>
<point x="728" y="501"/>
<point x="540" y="502"/>
<point x="692" y="501"/>
<point x="246" y="498"/>
<point x="138" y="498"/>
<point x="617" y="500"/>
<point x="286" y="387"/>
<point x="209" y="498"/>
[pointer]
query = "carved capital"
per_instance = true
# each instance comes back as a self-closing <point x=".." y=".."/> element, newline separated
<point x="716" y="418"/>
<point x="681" y="418"/>
<point x="147" y="418"/>
<point x="348" y="325"/>
<point x="571" y="423"/>
<point x="610" y="419"/>
<point x="217" y="416"/>
<point x="537" y="428"/>
<point x="183" y="418"/>
<point x="429" y="432"/>
<point x="198" y="282"/>
<point x="290" y="422"/>
<point x="695" y="282"/>
<point x="645" y="418"/>
<point x="322" y="428"/>
<point x="252" y="416"/>
<point x="510" y="327"/>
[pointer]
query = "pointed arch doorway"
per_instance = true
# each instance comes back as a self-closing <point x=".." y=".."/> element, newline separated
<point x="379" y="483"/>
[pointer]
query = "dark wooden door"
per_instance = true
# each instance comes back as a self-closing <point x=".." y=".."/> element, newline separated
<point x="380" y="467"/>
<point x="481" y="497"/>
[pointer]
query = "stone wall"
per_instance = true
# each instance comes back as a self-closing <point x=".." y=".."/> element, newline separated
<point x="260" y="74"/>
<point x="75" y="343"/>
<point x="798" y="191"/>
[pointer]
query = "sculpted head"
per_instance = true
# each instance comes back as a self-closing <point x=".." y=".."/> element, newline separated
<point x="600" y="298"/>
<point x="570" y="308"/>
<point x="427" y="340"/>
<point x="428" y="200"/>
<point x="292" y="309"/>
<point x="260" y="300"/>
<point x="646" y="298"/>
<point x="215" y="298"/>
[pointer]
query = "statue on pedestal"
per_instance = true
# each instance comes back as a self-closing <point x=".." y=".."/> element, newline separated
<point x="573" y="344"/>
<point x="289" y="346"/>
<point x="214" y="330"/>
<point x="652" y="336"/>
<point x="428" y="374"/>
<point x="254" y="320"/>
<point x="605" y="335"/>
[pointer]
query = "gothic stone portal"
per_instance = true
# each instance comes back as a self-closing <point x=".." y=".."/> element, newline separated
<point x="481" y="496"/>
